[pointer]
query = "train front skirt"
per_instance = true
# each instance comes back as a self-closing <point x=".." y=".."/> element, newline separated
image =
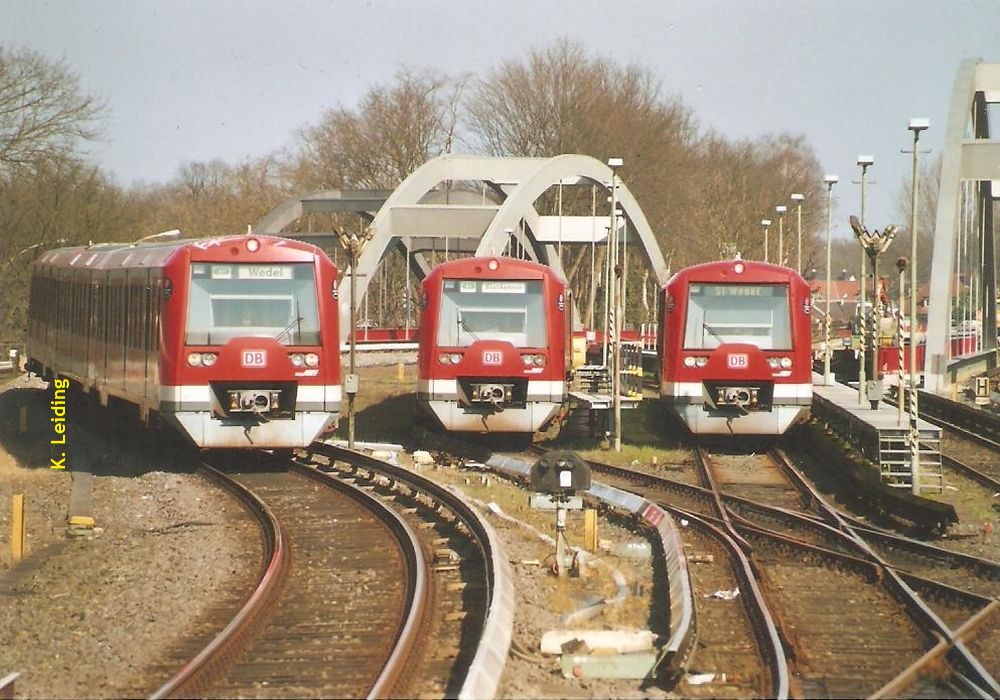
<point x="440" y="398"/>
<point x="190" y="410"/>
<point x="790" y="404"/>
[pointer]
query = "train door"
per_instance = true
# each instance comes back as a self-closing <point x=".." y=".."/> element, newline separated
<point x="117" y="293"/>
<point x="94" y="345"/>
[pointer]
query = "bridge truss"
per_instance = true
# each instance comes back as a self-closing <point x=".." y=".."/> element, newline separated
<point x="468" y="205"/>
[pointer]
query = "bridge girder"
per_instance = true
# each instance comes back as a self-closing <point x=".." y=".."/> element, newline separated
<point x="975" y="158"/>
<point x="419" y="213"/>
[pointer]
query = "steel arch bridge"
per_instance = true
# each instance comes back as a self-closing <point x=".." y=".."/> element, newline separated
<point x="964" y="229"/>
<point x="436" y="209"/>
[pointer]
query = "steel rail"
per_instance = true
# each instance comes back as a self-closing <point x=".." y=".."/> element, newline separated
<point x="898" y="685"/>
<point x="483" y="675"/>
<point x="965" y="659"/>
<point x="761" y="617"/>
<point x="195" y="673"/>
<point x="418" y="588"/>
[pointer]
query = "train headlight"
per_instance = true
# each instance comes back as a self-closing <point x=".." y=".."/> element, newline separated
<point x="202" y="359"/>
<point x="493" y="264"/>
<point x="455" y="357"/>
<point x="701" y="361"/>
<point x="773" y="362"/>
<point x="689" y="361"/>
<point x="312" y="359"/>
<point x="298" y="360"/>
<point x="538" y="360"/>
<point x="253" y="245"/>
<point x="786" y="362"/>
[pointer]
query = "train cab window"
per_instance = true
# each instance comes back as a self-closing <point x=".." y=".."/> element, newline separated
<point x="238" y="300"/>
<point x="738" y="313"/>
<point x="511" y="310"/>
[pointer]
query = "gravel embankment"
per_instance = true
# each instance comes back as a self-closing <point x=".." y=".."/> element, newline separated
<point x="93" y="615"/>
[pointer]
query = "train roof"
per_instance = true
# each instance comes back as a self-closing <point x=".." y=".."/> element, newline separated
<point x="103" y="256"/>
<point x="736" y="271"/>
<point x="494" y="265"/>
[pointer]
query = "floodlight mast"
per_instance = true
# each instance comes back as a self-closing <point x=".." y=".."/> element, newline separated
<point x="798" y="198"/>
<point x="830" y="181"/>
<point x="781" y="209"/>
<point x="916" y="125"/>
<point x="865" y="161"/>
<point x="616" y="280"/>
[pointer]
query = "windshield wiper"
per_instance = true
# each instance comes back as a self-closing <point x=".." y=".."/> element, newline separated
<point x="465" y="327"/>
<point x="712" y="331"/>
<point x="287" y="330"/>
<point x="297" y="322"/>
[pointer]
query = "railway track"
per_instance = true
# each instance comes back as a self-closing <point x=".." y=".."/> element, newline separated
<point x="971" y="444"/>
<point x="360" y="593"/>
<point x="975" y="424"/>
<point x="738" y="641"/>
<point x="850" y="628"/>
<point x="829" y="591"/>
<point x="330" y="616"/>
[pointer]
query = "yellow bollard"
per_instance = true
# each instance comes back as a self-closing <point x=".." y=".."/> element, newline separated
<point x="590" y="529"/>
<point x="400" y="372"/>
<point x="17" y="529"/>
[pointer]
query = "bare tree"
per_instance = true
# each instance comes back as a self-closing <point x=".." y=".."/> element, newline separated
<point x="43" y="113"/>
<point x="57" y="203"/>
<point x="210" y="198"/>
<point x="394" y="130"/>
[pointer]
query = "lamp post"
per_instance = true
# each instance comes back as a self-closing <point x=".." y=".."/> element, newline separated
<point x="864" y="162"/>
<point x="797" y="198"/>
<point x="873" y="244"/>
<point x="616" y="361"/>
<point x="900" y="374"/>
<point x="830" y="181"/>
<point x="781" y="209"/>
<point x="766" y="225"/>
<point x="352" y="245"/>
<point x="916" y="126"/>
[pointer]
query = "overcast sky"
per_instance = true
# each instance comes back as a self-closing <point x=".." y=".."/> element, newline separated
<point x="230" y="79"/>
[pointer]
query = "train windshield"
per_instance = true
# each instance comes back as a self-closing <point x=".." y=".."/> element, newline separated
<point x="475" y="309"/>
<point x="738" y="313"/>
<point x="262" y="301"/>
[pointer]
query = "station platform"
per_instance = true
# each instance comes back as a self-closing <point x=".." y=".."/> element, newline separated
<point x="879" y="435"/>
<point x="591" y="398"/>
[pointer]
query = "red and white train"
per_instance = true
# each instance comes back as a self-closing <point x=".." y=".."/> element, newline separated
<point x="233" y="341"/>
<point x="493" y="345"/>
<point x="735" y="348"/>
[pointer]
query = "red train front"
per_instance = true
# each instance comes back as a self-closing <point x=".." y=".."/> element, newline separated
<point x="493" y="345"/>
<point x="233" y="341"/>
<point x="735" y="348"/>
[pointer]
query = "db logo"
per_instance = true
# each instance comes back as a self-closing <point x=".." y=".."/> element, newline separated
<point x="738" y="360"/>
<point x="254" y="358"/>
<point x="492" y="357"/>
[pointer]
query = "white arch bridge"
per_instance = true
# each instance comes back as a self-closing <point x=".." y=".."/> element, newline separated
<point x="478" y="206"/>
